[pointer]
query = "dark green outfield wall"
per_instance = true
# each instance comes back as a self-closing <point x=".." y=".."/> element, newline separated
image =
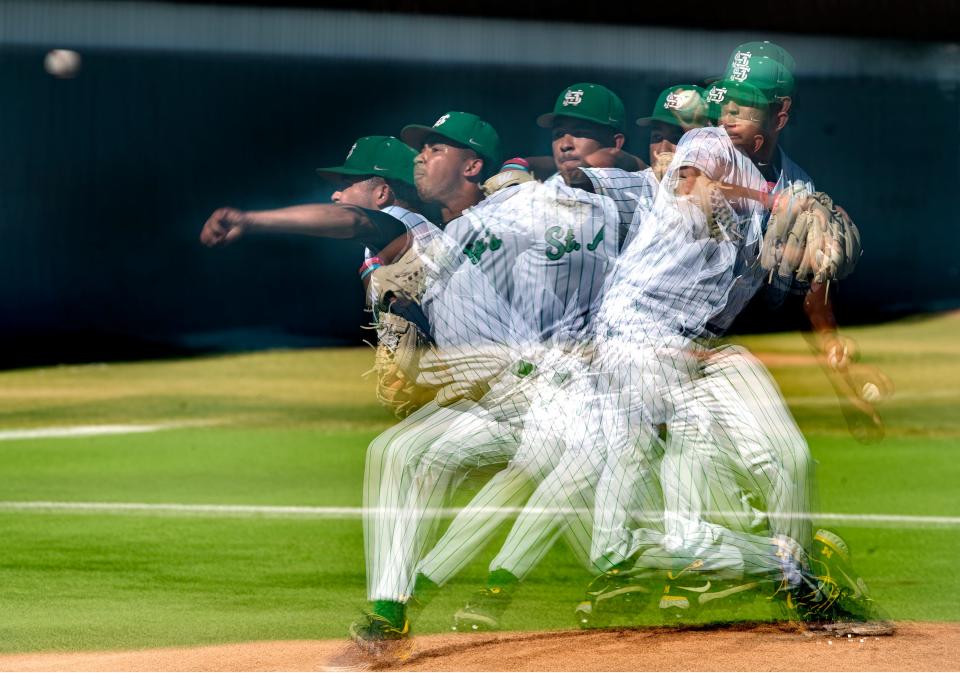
<point x="105" y="181"/>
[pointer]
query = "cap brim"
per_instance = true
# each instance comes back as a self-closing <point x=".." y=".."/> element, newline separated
<point x="647" y="121"/>
<point x="414" y="135"/>
<point x="545" y="121"/>
<point x="336" y="172"/>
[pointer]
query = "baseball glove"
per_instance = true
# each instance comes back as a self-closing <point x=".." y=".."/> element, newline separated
<point x="661" y="164"/>
<point x="403" y="333"/>
<point x="399" y="344"/>
<point x="406" y="278"/>
<point x="809" y="238"/>
<point x="513" y="172"/>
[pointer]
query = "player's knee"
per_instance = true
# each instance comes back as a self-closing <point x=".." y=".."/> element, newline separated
<point x="439" y="459"/>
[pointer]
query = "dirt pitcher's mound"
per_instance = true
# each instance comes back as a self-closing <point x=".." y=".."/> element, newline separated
<point x="916" y="646"/>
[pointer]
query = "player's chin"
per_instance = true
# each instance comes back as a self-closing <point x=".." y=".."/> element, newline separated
<point x="424" y="191"/>
<point x="570" y="169"/>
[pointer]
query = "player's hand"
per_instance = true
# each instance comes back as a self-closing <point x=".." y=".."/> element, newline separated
<point x="605" y="157"/>
<point x="840" y="351"/>
<point x="611" y="157"/>
<point x="224" y="226"/>
<point x="862" y="419"/>
<point x="661" y="162"/>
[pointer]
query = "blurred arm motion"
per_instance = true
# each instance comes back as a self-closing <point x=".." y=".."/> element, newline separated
<point x="326" y="220"/>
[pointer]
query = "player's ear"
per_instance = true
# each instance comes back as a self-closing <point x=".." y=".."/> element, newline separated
<point x="783" y="114"/>
<point x="618" y="140"/>
<point x="383" y="195"/>
<point x="473" y="168"/>
<point x="758" y="141"/>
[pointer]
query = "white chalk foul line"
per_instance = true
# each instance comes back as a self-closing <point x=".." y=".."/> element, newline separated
<point x="278" y="511"/>
<point x="97" y="430"/>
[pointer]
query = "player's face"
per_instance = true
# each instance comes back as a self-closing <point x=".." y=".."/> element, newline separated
<point x="357" y="191"/>
<point x="687" y="180"/>
<point x="438" y="171"/>
<point x="663" y="139"/>
<point x="744" y="125"/>
<point x="576" y="139"/>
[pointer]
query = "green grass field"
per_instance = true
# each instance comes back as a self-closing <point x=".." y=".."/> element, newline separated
<point x="291" y="428"/>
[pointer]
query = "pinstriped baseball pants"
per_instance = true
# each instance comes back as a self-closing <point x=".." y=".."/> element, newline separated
<point x="410" y="475"/>
<point x="736" y="471"/>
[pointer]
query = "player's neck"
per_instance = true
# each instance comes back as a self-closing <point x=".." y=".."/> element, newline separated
<point x="766" y="153"/>
<point x="406" y="205"/>
<point x="767" y="160"/>
<point x="769" y="149"/>
<point x="454" y="206"/>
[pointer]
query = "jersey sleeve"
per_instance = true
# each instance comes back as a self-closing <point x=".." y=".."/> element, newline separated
<point x="385" y="228"/>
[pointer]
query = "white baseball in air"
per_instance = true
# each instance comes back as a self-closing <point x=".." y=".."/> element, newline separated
<point x="870" y="392"/>
<point x="686" y="98"/>
<point x="62" y="63"/>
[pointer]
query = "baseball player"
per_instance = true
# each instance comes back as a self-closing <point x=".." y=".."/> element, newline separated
<point x="411" y="468"/>
<point x="555" y="280"/>
<point x="769" y="452"/>
<point x="374" y="204"/>
<point x="586" y="124"/>
<point x="371" y="166"/>
<point x="676" y="275"/>
<point x="454" y="158"/>
<point x="742" y="396"/>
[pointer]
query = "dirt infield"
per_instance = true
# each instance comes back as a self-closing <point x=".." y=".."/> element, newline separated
<point x="916" y="646"/>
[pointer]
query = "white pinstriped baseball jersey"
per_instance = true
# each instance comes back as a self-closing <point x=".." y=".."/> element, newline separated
<point x="676" y="272"/>
<point x="631" y="191"/>
<point x="415" y="223"/>
<point x="545" y="249"/>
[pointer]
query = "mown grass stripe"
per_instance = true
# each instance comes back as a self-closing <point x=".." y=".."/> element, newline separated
<point x="98" y="430"/>
<point x="357" y="512"/>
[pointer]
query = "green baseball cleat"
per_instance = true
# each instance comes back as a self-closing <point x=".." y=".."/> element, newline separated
<point x="379" y="639"/>
<point x="689" y="598"/>
<point x="689" y="590"/>
<point x="483" y="611"/>
<point x="832" y="597"/>
<point x="616" y="592"/>
<point x="852" y="610"/>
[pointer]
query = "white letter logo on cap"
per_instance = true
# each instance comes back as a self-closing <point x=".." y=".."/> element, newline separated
<point x="441" y="121"/>
<point x="573" y="97"/>
<point x="740" y="66"/>
<point x="678" y="100"/>
<point x="716" y="95"/>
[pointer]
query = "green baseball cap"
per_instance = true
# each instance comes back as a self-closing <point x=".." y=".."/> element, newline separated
<point x="727" y="90"/>
<point x="384" y="156"/>
<point x="769" y="75"/>
<point x="592" y="102"/>
<point x="682" y="105"/>
<point x="765" y="48"/>
<point x="461" y="127"/>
